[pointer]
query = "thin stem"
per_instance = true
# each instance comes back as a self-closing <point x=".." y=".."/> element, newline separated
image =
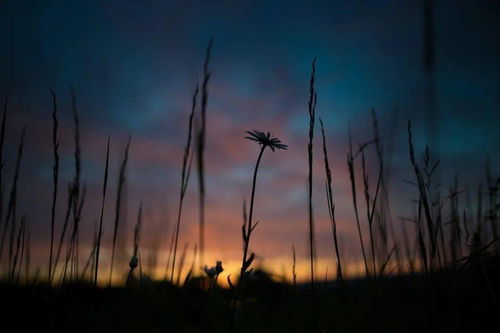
<point x="77" y="180"/>
<point x="99" y="236"/>
<point x="312" y="112"/>
<point x="2" y="140"/>
<point x="245" y="263"/>
<point x="187" y="161"/>
<point x="176" y="239"/>
<point x="69" y="208"/>
<point x="55" y="144"/>
<point x="352" y="177"/>
<point x="368" y="210"/>
<point x="121" y="182"/>
<point x="12" y="206"/>
<point x="250" y="214"/>
<point x="202" y="133"/>
<point x="331" y="204"/>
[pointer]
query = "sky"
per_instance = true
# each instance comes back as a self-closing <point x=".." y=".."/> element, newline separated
<point x="134" y="64"/>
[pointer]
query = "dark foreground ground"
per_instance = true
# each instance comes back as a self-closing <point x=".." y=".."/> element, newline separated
<point x="444" y="302"/>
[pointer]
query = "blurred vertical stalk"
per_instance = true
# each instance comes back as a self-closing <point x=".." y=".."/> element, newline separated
<point x="312" y="117"/>
<point x="121" y="181"/>
<point x="12" y="206"/>
<point x="352" y="177"/>
<point x="55" y="175"/>
<point x="2" y="162"/>
<point x="99" y="233"/>
<point x="200" y="147"/>
<point x="187" y="161"/>
<point x="331" y="204"/>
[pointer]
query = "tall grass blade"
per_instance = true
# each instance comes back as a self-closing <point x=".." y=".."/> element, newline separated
<point x="12" y="206"/>
<point x="331" y="204"/>
<point x="99" y="233"/>
<point x="312" y="116"/>
<point x="55" y="175"/>
<point x="186" y="171"/>
<point x="352" y="178"/>
<point x="200" y="152"/>
<point x="121" y="181"/>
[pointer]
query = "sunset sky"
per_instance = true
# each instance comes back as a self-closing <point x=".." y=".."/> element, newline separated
<point x="134" y="65"/>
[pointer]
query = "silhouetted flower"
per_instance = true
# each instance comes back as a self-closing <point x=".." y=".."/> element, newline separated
<point x="218" y="267"/>
<point x="265" y="140"/>
<point x="214" y="271"/>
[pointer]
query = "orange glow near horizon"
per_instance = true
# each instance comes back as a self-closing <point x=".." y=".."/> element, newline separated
<point x="279" y="268"/>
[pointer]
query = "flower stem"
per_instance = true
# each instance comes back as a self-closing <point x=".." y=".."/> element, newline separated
<point x="246" y="239"/>
<point x="249" y="225"/>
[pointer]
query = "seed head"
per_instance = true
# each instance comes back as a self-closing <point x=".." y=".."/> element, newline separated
<point x="134" y="261"/>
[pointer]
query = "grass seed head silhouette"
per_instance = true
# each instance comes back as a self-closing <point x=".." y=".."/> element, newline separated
<point x="265" y="140"/>
<point x="213" y="271"/>
<point x="134" y="262"/>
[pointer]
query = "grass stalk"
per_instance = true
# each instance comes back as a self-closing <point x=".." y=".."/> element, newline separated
<point x="200" y="152"/>
<point x="121" y="182"/>
<point x="182" y="260"/>
<point x="312" y="116"/>
<point x="137" y="236"/>
<point x="187" y="160"/>
<point x="90" y="263"/>
<point x="77" y="184"/>
<point x="352" y="178"/>
<point x="384" y="202"/>
<point x="101" y="216"/>
<point x="12" y="206"/>
<point x="69" y="208"/>
<point x="191" y="269"/>
<point x="55" y="175"/>
<point x="366" y="188"/>
<point x="2" y="162"/>
<point x="423" y="199"/>
<point x="18" y="249"/>
<point x="71" y="254"/>
<point x="331" y="204"/>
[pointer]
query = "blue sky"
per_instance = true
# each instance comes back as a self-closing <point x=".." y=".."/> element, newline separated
<point x="134" y="64"/>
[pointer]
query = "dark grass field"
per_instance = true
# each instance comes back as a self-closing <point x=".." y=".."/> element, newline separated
<point x="448" y="301"/>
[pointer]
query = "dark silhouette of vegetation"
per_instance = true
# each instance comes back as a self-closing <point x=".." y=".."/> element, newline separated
<point x="312" y="116"/>
<point x="55" y="145"/>
<point x="99" y="234"/>
<point x="187" y="160"/>
<point x="121" y="182"/>
<point x="331" y="206"/>
<point x="200" y="150"/>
